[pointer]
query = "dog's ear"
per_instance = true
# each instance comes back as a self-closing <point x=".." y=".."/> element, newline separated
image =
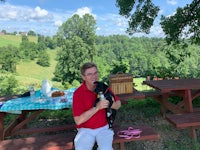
<point x="105" y="86"/>
<point x="100" y="86"/>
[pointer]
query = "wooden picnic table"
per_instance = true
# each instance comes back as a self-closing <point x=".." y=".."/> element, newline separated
<point x="27" y="110"/>
<point x="188" y="89"/>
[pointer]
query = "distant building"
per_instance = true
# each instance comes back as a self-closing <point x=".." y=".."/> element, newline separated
<point x="23" y="33"/>
<point x="2" y="33"/>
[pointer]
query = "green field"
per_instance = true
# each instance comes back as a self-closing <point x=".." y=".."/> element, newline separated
<point x="29" y="72"/>
<point x="32" y="70"/>
<point x="32" y="73"/>
<point x="14" y="40"/>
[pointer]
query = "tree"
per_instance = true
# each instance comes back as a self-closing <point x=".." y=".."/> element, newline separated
<point x="43" y="59"/>
<point x="73" y="53"/>
<point x="4" y="31"/>
<point x="41" y="46"/>
<point x="29" y="50"/>
<point x="24" y="38"/>
<point x="185" y="24"/>
<point x="8" y="84"/>
<point x="32" y="33"/>
<point x="50" y="42"/>
<point x="144" y="13"/>
<point x="76" y="37"/>
<point x="142" y="18"/>
<point x="9" y="56"/>
<point x="84" y="27"/>
<point x="41" y="38"/>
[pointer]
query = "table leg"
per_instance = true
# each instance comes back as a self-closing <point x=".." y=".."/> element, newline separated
<point x="167" y="105"/>
<point x="24" y="121"/>
<point x="23" y="116"/>
<point x="121" y="145"/>
<point x="192" y="133"/>
<point x="188" y="101"/>
<point x="189" y="108"/>
<point x="8" y="131"/>
<point x="2" y="126"/>
<point x="163" y="108"/>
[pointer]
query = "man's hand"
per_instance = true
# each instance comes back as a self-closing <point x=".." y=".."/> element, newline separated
<point x="102" y="104"/>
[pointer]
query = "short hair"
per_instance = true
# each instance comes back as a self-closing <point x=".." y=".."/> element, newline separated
<point x="86" y="66"/>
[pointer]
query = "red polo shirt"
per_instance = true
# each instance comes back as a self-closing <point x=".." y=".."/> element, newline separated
<point x="84" y="100"/>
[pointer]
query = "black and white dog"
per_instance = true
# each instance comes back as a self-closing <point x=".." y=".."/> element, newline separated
<point x="110" y="113"/>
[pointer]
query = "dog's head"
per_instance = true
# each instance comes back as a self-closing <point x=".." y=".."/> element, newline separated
<point x="100" y="87"/>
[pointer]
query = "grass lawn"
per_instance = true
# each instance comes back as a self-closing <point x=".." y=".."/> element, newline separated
<point x="14" y="40"/>
<point x="31" y="73"/>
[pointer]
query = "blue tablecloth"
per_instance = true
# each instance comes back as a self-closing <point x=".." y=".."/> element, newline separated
<point x="18" y="104"/>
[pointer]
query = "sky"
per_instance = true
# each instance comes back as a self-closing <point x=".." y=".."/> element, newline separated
<point x="45" y="16"/>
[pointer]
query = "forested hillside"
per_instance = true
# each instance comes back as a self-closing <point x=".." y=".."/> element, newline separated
<point x="139" y="56"/>
<point x="148" y="56"/>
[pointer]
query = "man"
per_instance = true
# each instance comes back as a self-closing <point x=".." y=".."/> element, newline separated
<point x="91" y="121"/>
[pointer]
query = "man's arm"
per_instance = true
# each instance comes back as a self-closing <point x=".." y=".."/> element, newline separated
<point x="116" y="104"/>
<point x="85" y="116"/>
<point x="89" y="113"/>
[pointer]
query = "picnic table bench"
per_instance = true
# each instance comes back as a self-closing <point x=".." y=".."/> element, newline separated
<point x="134" y="95"/>
<point x="184" y="114"/>
<point x="64" y="141"/>
<point x="186" y="120"/>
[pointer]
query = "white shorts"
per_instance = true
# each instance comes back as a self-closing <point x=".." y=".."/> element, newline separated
<point x="86" y="138"/>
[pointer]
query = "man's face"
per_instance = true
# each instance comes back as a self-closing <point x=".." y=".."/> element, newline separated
<point x="90" y="76"/>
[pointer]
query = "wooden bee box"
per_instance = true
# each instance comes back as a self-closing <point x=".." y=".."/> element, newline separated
<point x="121" y="83"/>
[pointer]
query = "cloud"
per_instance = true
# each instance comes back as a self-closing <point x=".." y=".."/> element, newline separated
<point x="172" y="2"/>
<point x="58" y="23"/>
<point x="61" y="17"/>
<point x="157" y="31"/>
<point x="38" y="13"/>
<point x="84" y="10"/>
<point x="11" y="12"/>
<point x="109" y="24"/>
<point x="121" y="22"/>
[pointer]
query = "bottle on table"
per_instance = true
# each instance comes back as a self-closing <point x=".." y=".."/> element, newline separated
<point x="32" y="93"/>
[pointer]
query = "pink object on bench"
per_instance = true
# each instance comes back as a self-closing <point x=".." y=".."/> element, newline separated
<point x="130" y="133"/>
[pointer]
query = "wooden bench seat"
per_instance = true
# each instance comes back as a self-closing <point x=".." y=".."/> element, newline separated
<point x="184" y="120"/>
<point x="156" y="94"/>
<point x="148" y="133"/>
<point x="153" y="94"/>
<point x="49" y="142"/>
<point x="191" y="121"/>
<point x="64" y="141"/>
<point x="135" y="95"/>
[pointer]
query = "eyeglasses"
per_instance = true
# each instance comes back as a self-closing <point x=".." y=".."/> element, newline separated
<point x="92" y="74"/>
